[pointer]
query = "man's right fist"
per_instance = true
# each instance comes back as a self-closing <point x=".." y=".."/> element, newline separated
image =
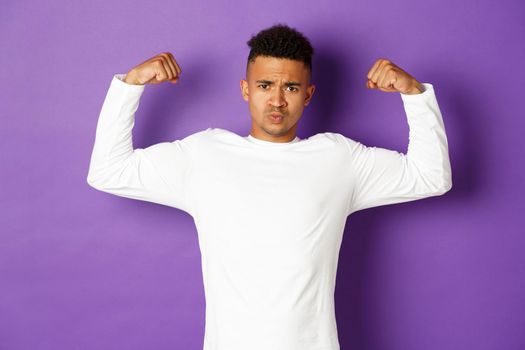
<point x="155" y="70"/>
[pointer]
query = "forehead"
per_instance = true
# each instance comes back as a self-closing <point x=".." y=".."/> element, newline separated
<point x="272" y="67"/>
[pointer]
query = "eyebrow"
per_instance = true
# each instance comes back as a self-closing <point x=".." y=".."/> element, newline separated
<point x="288" y="83"/>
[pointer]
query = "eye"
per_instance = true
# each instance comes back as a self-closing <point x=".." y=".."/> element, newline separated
<point x="293" y="87"/>
<point x="261" y="85"/>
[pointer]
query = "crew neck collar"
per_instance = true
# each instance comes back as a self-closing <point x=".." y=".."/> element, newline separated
<point x="270" y="143"/>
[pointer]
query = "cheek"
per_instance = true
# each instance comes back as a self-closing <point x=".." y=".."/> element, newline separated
<point x="258" y="102"/>
<point x="256" y="110"/>
<point x="296" y="103"/>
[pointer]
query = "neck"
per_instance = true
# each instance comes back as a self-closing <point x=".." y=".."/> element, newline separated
<point x="272" y="138"/>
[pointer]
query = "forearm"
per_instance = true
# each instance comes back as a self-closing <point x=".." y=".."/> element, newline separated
<point x="427" y="153"/>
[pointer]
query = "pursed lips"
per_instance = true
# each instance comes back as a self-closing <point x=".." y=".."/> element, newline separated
<point x="276" y="117"/>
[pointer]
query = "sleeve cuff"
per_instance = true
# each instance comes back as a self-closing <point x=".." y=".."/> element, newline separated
<point x="429" y="90"/>
<point x="118" y="81"/>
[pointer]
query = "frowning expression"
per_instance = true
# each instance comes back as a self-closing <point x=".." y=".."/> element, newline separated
<point x="277" y="90"/>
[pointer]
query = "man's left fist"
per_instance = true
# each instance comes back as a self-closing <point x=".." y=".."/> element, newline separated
<point x="386" y="76"/>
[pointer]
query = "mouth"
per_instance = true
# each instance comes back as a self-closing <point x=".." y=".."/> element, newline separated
<point x="276" y="117"/>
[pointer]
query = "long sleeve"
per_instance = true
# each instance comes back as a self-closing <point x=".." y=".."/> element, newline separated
<point x="156" y="174"/>
<point x="382" y="176"/>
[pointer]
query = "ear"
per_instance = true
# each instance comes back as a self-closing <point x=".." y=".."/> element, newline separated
<point x="309" y="93"/>
<point x="244" y="89"/>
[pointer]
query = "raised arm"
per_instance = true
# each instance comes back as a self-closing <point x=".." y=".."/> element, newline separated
<point x="381" y="176"/>
<point x="155" y="174"/>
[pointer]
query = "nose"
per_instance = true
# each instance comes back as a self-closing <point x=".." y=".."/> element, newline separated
<point x="277" y="98"/>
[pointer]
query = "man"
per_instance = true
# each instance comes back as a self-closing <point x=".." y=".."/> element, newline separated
<point x="270" y="208"/>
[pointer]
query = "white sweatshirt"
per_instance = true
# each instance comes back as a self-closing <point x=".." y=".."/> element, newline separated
<point x="269" y="216"/>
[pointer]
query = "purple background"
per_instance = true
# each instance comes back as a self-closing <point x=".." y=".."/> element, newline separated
<point x="82" y="269"/>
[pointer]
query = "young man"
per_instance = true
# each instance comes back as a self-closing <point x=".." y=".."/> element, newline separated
<point x="270" y="208"/>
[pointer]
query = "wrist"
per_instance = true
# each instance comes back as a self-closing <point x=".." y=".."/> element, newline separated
<point x="416" y="89"/>
<point x="129" y="78"/>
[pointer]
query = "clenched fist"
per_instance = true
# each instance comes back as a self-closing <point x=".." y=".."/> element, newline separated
<point x="386" y="76"/>
<point x="155" y="70"/>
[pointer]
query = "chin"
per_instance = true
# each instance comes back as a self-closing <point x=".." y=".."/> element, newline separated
<point x="280" y="132"/>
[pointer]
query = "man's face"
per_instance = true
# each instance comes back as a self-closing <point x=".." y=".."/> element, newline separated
<point x="279" y="87"/>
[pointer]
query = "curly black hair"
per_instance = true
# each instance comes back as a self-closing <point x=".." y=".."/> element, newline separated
<point x="281" y="41"/>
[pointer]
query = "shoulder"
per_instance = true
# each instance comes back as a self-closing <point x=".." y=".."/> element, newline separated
<point x="197" y="135"/>
<point x="213" y="132"/>
<point x="209" y="137"/>
<point x="202" y="135"/>
<point x="182" y="146"/>
<point x="337" y="139"/>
